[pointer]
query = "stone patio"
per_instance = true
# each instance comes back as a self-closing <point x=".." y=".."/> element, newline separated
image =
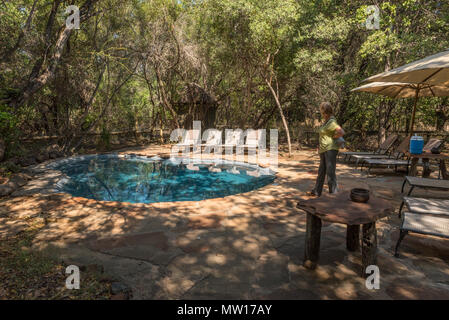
<point x="246" y="246"/>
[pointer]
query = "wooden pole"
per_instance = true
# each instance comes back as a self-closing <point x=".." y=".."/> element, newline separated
<point x="412" y="123"/>
<point x="312" y="247"/>
<point x="369" y="246"/>
<point x="353" y="238"/>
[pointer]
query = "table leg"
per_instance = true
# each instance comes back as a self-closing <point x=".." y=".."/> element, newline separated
<point x="312" y="247"/>
<point x="444" y="173"/>
<point x="413" y="167"/>
<point x="369" y="246"/>
<point x="353" y="238"/>
<point x="426" y="168"/>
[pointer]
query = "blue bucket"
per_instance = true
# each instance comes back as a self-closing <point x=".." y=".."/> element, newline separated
<point x="416" y="144"/>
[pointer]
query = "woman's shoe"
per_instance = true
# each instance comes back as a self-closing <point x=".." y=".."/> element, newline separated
<point x="312" y="194"/>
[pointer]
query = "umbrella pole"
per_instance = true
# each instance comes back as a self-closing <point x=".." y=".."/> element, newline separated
<point x="414" y="111"/>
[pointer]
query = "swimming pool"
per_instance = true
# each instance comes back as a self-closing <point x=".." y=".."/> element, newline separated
<point x="139" y="179"/>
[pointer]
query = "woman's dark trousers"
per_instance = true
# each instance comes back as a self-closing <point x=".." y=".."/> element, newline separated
<point x="328" y="164"/>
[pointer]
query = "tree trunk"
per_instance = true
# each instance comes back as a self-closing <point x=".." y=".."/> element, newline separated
<point x="136" y="126"/>
<point x="40" y="79"/>
<point x="106" y="107"/>
<point x="162" y="95"/>
<point x="284" y="121"/>
<point x="381" y="125"/>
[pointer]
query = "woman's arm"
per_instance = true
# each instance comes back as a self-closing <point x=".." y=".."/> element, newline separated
<point x="339" y="132"/>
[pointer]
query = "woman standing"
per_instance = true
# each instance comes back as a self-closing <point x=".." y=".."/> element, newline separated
<point x="329" y="144"/>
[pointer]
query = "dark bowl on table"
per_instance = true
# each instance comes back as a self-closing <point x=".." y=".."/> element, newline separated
<point x="435" y="150"/>
<point x="359" y="195"/>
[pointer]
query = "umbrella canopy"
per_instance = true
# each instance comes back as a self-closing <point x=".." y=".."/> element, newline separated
<point x="433" y="70"/>
<point x="405" y="90"/>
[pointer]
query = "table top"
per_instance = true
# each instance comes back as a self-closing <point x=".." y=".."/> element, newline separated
<point x="339" y="208"/>
<point x="429" y="156"/>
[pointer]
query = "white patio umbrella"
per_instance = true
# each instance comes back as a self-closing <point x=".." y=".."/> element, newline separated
<point x="433" y="70"/>
<point x="397" y="90"/>
<point x="428" y="77"/>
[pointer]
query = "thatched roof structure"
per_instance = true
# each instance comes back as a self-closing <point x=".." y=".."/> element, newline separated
<point x="197" y="104"/>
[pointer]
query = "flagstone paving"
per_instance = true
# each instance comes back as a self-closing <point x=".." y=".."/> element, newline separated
<point x="246" y="246"/>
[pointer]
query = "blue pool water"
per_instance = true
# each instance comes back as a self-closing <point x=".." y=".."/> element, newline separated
<point x="142" y="180"/>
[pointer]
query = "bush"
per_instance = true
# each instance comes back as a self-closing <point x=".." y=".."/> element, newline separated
<point x="8" y="123"/>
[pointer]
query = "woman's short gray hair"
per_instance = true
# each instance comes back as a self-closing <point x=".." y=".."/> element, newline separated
<point x="326" y="107"/>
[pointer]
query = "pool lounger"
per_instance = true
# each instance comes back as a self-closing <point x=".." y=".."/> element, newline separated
<point x="361" y="158"/>
<point x="424" y="183"/>
<point x="383" y="148"/>
<point x="386" y="162"/>
<point x="425" y="206"/>
<point x="427" y="224"/>
<point x="348" y="155"/>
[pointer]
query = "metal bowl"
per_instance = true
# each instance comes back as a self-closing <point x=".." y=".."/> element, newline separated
<point x="359" y="195"/>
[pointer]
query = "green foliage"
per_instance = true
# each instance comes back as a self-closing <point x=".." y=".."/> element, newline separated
<point x="9" y="130"/>
<point x="145" y="56"/>
<point x="379" y="45"/>
<point x="8" y="122"/>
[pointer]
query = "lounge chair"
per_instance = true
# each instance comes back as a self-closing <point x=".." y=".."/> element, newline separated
<point x="213" y="141"/>
<point x="254" y="139"/>
<point x="388" y="163"/>
<point x="422" y="205"/>
<point x="189" y="139"/>
<point x="424" y="183"/>
<point x="396" y="161"/>
<point x="233" y="138"/>
<point x="433" y="143"/>
<point x="402" y="151"/>
<point x="383" y="148"/>
<point x="398" y="153"/>
<point x="428" y="224"/>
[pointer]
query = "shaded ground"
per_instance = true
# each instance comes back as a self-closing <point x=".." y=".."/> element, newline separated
<point x="29" y="274"/>
<point x="246" y="246"/>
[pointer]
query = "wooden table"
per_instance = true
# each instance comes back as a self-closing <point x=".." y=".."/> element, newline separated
<point x="338" y="208"/>
<point x="425" y="159"/>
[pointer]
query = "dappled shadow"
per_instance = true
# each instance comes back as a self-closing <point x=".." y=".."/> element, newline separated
<point x="245" y="246"/>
